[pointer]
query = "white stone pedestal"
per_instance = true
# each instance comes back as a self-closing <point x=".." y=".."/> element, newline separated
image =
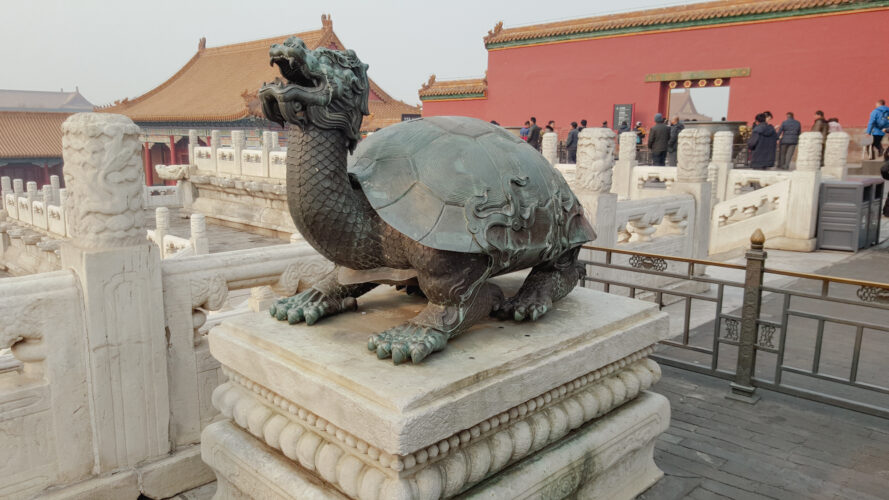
<point x="551" y="409"/>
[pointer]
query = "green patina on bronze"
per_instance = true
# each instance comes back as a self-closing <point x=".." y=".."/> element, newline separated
<point x="436" y="205"/>
<point x="764" y="16"/>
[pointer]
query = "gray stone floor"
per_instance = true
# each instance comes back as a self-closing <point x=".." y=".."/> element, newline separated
<point x="782" y="447"/>
<point x="222" y="238"/>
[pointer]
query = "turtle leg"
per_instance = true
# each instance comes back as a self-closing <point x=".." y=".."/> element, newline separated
<point x="458" y="296"/>
<point x="546" y="284"/>
<point x="325" y="298"/>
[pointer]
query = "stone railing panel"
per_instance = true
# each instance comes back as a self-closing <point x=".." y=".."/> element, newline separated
<point x="24" y="210"/>
<point x="55" y="221"/>
<point x="45" y="430"/>
<point x="278" y="164"/>
<point x="204" y="159"/>
<point x="649" y="181"/>
<point x="12" y="205"/>
<point x="195" y="285"/>
<point x="252" y="164"/>
<point x="161" y="196"/>
<point x="743" y="180"/>
<point x="225" y="161"/>
<point x="733" y="220"/>
<point x="38" y="215"/>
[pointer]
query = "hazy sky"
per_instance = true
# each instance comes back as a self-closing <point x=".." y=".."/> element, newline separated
<point x="116" y="49"/>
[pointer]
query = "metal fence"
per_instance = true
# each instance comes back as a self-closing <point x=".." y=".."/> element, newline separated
<point x="818" y="337"/>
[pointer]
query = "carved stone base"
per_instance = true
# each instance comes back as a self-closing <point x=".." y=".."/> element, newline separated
<point x="610" y="458"/>
<point x="506" y="410"/>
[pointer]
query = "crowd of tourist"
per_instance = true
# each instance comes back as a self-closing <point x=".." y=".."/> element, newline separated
<point x="768" y="147"/>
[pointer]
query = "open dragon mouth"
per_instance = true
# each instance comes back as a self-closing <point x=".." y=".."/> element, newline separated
<point x="322" y="88"/>
<point x="294" y="71"/>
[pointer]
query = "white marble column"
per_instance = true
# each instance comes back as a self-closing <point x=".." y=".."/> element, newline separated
<point x="192" y="143"/>
<point x="549" y="147"/>
<point x="836" y="154"/>
<point x="5" y="186"/>
<point x="214" y="146"/>
<point x="691" y="177"/>
<point x="721" y="164"/>
<point x="199" y="240"/>
<point x="238" y="142"/>
<point x="54" y="183"/>
<point x="805" y="184"/>
<point x="623" y="169"/>
<point x="120" y="282"/>
<point x="269" y="144"/>
<point x="592" y="185"/>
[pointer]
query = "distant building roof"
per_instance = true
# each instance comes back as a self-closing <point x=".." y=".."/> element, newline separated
<point x="31" y="135"/>
<point x="219" y="84"/>
<point x="453" y="89"/>
<point x="677" y="17"/>
<point x="37" y="100"/>
<point x="683" y="106"/>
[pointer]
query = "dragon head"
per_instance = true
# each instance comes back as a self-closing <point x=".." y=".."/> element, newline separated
<point x="324" y="88"/>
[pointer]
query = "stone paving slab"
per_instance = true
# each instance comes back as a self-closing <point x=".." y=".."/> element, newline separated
<point x="782" y="447"/>
<point x="222" y="238"/>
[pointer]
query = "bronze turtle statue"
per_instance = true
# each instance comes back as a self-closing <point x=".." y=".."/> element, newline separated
<point x="439" y="204"/>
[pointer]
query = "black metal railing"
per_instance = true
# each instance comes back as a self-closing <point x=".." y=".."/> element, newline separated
<point x="819" y="337"/>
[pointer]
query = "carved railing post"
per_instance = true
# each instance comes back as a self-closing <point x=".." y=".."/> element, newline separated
<point x="120" y="280"/>
<point x="32" y="191"/>
<point x="805" y="187"/>
<point x="192" y="143"/>
<point x="161" y="226"/>
<point x="592" y="185"/>
<point x="199" y="241"/>
<point x="691" y="178"/>
<point x="18" y="187"/>
<point x="238" y="142"/>
<point x="623" y="169"/>
<point x="836" y="153"/>
<point x="269" y="144"/>
<point x="214" y="145"/>
<point x="742" y="387"/>
<point x="809" y="153"/>
<point x="721" y="166"/>
<point x="55" y="185"/>
<point x="549" y="146"/>
<point x="5" y="186"/>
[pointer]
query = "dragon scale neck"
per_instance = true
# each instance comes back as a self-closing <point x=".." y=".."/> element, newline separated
<point x="325" y="208"/>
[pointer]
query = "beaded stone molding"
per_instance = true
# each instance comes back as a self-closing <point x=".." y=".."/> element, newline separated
<point x="445" y="468"/>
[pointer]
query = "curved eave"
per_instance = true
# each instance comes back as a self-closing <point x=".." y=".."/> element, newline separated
<point x="506" y="41"/>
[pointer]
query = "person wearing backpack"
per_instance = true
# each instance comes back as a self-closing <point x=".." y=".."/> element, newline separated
<point x="877" y="125"/>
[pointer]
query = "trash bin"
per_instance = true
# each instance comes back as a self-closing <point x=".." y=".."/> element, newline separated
<point x="849" y="213"/>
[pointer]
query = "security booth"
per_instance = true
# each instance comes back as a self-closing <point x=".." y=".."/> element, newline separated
<point x="849" y="213"/>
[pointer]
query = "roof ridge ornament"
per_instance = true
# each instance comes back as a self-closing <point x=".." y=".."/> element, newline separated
<point x="202" y="44"/>
<point x="496" y="31"/>
<point x="429" y="82"/>
<point x="326" y="21"/>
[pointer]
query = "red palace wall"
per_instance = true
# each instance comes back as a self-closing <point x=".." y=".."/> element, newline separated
<point x="834" y="63"/>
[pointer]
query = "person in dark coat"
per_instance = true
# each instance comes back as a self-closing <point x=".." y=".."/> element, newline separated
<point x="658" y="140"/>
<point x="676" y="126"/>
<point x="762" y="144"/>
<point x="820" y="125"/>
<point x="534" y="134"/>
<point x="571" y="143"/>
<point x="788" y="138"/>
